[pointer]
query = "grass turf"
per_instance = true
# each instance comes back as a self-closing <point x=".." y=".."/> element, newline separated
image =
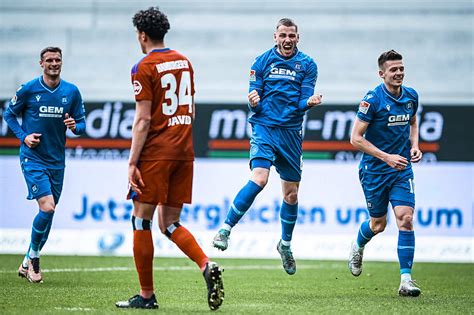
<point x="79" y="285"/>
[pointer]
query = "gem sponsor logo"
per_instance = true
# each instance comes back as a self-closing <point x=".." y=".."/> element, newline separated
<point x="51" y="111"/>
<point x="282" y="73"/>
<point x="398" y="120"/>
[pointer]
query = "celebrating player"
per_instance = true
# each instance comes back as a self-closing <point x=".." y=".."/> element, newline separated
<point x="281" y="90"/>
<point x="48" y="106"/>
<point x="386" y="131"/>
<point x="160" y="170"/>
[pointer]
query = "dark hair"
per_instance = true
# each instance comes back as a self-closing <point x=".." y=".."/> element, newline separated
<point x="388" y="55"/>
<point x="50" y="49"/>
<point x="287" y="22"/>
<point x="153" y="22"/>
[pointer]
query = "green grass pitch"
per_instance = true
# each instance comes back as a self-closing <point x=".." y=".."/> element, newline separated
<point x="92" y="285"/>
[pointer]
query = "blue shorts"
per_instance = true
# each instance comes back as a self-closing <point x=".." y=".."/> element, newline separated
<point x="396" y="187"/>
<point x="42" y="181"/>
<point x="282" y="147"/>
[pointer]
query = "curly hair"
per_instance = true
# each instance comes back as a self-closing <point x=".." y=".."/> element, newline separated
<point x="388" y="55"/>
<point x="153" y="22"/>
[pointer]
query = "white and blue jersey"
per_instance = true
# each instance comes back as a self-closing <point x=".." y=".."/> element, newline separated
<point x="389" y="125"/>
<point x="43" y="111"/>
<point x="284" y="86"/>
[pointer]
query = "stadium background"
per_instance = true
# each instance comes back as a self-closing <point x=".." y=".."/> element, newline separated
<point x="222" y="39"/>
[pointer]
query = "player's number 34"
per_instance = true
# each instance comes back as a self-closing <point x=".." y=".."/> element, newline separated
<point x="168" y="82"/>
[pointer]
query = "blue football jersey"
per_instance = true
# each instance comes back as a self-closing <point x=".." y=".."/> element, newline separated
<point x="389" y="125"/>
<point x="284" y="86"/>
<point x="43" y="111"/>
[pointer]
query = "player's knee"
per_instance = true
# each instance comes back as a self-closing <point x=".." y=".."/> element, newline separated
<point x="260" y="180"/>
<point x="48" y="207"/>
<point x="291" y="198"/>
<point x="406" y="222"/>
<point x="162" y="226"/>
<point x="378" y="226"/>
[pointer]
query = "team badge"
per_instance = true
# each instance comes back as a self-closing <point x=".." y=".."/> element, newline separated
<point x="252" y="76"/>
<point x="34" y="188"/>
<point x="137" y="87"/>
<point x="409" y="105"/>
<point x="298" y="66"/>
<point x="253" y="150"/>
<point x="64" y="100"/>
<point x="364" y="107"/>
<point x="13" y="100"/>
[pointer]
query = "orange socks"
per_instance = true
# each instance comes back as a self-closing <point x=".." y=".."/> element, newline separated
<point x="143" y="251"/>
<point x="188" y="244"/>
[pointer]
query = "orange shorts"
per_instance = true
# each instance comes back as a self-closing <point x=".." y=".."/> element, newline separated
<point x="166" y="182"/>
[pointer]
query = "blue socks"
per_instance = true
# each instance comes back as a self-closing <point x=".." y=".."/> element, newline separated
<point x="406" y="250"/>
<point x="242" y="203"/>
<point x="40" y="232"/>
<point x="365" y="234"/>
<point x="288" y="215"/>
<point x="46" y="233"/>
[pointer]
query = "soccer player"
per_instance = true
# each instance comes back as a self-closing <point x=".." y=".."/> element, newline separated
<point x="282" y="82"/>
<point x="160" y="170"/>
<point x="386" y="131"/>
<point x="48" y="106"/>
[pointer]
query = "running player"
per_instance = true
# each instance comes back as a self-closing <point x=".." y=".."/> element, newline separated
<point x="386" y="131"/>
<point x="48" y="106"/>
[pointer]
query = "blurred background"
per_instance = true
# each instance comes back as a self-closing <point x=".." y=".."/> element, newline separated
<point x="222" y="38"/>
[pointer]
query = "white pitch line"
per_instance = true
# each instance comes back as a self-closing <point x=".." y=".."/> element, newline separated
<point x="74" y="309"/>
<point x="182" y="268"/>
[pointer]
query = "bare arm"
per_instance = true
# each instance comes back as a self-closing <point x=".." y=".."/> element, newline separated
<point x="141" y="125"/>
<point x="358" y="141"/>
<point x="415" y="152"/>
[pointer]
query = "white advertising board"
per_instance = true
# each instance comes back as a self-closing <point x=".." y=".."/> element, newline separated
<point x="93" y="216"/>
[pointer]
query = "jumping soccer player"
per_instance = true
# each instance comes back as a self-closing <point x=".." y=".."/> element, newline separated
<point x="386" y="131"/>
<point x="281" y="90"/>
<point x="160" y="169"/>
<point x="48" y="106"/>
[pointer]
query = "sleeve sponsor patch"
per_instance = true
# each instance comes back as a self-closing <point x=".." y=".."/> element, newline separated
<point x="13" y="100"/>
<point x="137" y="87"/>
<point x="364" y="107"/>
<point x="252" y="76"/>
